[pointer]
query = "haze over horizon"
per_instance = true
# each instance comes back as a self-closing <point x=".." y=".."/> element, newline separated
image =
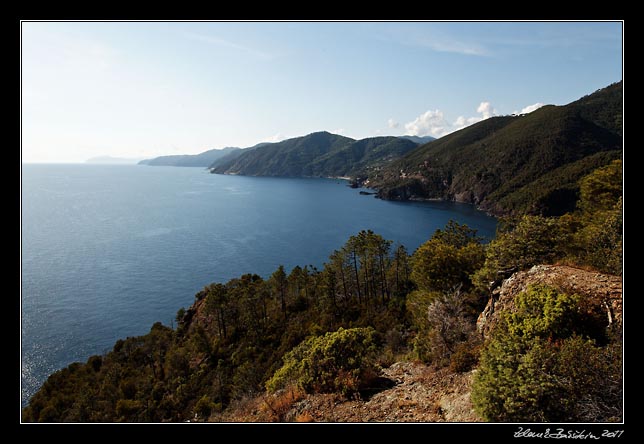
<point x="146" y="89"/>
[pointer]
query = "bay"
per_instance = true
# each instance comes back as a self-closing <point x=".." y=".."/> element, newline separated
<point x="107" y="250"/>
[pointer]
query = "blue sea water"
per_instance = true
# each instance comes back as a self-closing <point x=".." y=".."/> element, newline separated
<point x="109" y="250"/>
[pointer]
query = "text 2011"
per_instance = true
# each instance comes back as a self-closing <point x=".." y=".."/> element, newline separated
<point x="612" y="433"/>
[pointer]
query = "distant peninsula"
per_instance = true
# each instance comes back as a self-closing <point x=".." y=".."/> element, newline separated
<point x="202" y="160"/>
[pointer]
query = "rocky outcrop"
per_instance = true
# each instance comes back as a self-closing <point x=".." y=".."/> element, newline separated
<point x="419" y="393"/>
<point x="602" y="293"/>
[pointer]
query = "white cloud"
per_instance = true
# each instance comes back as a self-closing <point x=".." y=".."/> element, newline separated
<point x="530" y="108"/>
<point x="486" y="110"/>
<point x="339" y="131"/>
<point x="431" y="123"/>
<point x="462" y="122"/>
<point x="434" y="123"/>
<point x="391" y="123"/>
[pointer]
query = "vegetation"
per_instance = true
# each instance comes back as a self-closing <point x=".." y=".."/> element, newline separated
<point x="339" y="361"/>
<point x="442" y="308"/>
<point x="598" y="240"/>
<point x="591" y="235"/>
<point x="540" y="365"/>
<point x="319" y="154"/>
<point x="514" y="164"/>
<point x="519" y="245"/>
<point x="548" y="358"/>
<point x="445" y="329"/>
<point x="448" y="259"/>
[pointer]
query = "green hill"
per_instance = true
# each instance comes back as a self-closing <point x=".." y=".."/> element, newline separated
<point x="361" y="156"/>
<point x="513" y="164"/>
<point x="320" y="154"/>
<point x="290" y="157"/>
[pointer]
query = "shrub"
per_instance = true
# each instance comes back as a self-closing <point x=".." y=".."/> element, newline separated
<point x="336" y="362"/>
<point x="465" y="356"/>
<point x="537" y="367"/>
<point x="442" y="323"/>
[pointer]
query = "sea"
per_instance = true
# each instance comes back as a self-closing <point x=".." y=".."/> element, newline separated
<point x="108" y="250"/>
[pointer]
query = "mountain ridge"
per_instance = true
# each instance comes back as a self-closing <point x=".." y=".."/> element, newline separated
<point x="496" y="163"/>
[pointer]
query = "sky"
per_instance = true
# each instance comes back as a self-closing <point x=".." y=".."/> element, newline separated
<point x="144" y="89"/>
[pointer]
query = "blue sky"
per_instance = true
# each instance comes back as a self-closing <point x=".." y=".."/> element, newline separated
<point x="143" y="89"/>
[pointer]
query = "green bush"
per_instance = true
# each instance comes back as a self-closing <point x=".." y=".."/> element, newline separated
<point x="336" y="362"/>
<point x="537" y="367"/>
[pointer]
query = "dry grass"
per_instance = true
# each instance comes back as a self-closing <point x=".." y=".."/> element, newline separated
<point x="280" y="403"/>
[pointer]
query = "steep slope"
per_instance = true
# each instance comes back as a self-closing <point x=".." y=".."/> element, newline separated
<point x="204" y="159"/>
<point x="512" y="164"/>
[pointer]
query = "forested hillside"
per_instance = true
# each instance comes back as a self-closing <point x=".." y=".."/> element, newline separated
<point x="514" y="164"/>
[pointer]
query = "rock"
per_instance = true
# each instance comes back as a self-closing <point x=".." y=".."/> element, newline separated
<point x="603" y="292"/>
